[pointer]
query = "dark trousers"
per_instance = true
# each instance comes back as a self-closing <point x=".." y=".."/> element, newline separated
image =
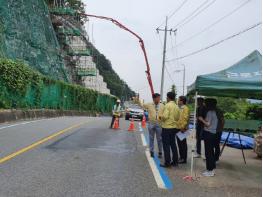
<point x="168" y="138"/>
<point x="182" y="146"/>
<point x="112" y="120"/>
<point x="210" y="140"/>
<point x="199" y="137"/>
<point x="217" y="145"/>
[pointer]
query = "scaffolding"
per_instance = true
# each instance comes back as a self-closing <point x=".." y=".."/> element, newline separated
<point x="77" y="54"/>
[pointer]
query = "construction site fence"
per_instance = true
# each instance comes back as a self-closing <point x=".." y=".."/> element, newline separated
<point x="22" y="87"/>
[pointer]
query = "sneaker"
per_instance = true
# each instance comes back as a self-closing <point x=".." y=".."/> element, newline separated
<point x="182" y="161"/>
<point x="208" y="173"/>
<point x="165" y="165"/>
<point x="174" y="163"/>
<point x="196" y="155"/>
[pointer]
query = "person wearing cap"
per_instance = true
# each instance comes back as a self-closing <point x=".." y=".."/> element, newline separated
<point x="116" y="112"/>
<point x="155" y="109"/>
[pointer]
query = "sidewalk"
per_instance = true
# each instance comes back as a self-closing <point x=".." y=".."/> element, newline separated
<point x="233" y="176"/>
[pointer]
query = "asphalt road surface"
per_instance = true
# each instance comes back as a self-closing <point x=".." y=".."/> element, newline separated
<point x="81" y="157"/>
<point x="41" y="158"/>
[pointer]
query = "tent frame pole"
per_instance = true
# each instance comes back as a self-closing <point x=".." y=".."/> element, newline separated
<point x="190" y="178"/>
<point x="194" y="132"/>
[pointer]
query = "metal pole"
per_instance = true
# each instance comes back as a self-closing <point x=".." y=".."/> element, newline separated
<point x="194" y="131"/>
<point x="184" y="80"/>
<point x="164" y="52"/>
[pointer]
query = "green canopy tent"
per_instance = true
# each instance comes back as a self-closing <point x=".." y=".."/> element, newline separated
<point x="242" y="80"/>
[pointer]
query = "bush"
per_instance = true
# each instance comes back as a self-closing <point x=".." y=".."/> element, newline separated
<point x="23" y="87"/>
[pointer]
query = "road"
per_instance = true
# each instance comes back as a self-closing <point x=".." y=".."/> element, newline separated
<point x="81" y="157"/>
<point x="87" y="160"/>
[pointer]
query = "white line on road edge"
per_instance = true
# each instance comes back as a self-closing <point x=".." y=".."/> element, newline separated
<point x="161" y="178"/>
<point x="144" y="143"/>
<point x="140" y="127"/>
<point x="156" y="174"/>
<point x="23" y="123"/>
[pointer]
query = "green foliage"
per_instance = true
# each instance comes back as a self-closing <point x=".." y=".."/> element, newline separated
<point x="116" y="85"/>
<point x="173" y="89"/>
<point x="22" y="87"/>
<point x="254" y="112"/>
<point x="239" y="109"/>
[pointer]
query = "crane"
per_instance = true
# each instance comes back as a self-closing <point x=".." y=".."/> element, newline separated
<point x="148" y="74"/>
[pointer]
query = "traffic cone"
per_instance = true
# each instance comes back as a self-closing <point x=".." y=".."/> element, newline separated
<point x="116" y="123"/>
<point x="144" y="122"/>
<point x="131" y="127"/>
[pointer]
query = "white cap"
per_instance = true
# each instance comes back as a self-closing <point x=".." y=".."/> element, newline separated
<point x="118" y="101"/>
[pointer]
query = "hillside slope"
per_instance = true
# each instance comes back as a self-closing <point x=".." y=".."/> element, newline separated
<point x="26" y="33"/>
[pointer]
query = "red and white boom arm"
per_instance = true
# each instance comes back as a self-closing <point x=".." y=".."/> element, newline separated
<point x="140" y="41"/>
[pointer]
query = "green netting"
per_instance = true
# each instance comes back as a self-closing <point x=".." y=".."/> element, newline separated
<point x="57" y="96"/>
<point x="22" y="87"/>
<point x="26" y="33"/>
<point x="79" y="52"/>
<point x="69" y="32"/>
<point x="63" y="11"/>
<point x="86" y="71"/>
<point x="104" y="103"/>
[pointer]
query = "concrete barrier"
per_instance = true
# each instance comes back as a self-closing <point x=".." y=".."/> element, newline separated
<point x="14" y="115"/>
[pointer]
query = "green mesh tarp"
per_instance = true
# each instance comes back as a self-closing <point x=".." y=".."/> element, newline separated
<point x="242" y="80"/>
<point x="26" y="33"/>
<point x="57" y="96"/>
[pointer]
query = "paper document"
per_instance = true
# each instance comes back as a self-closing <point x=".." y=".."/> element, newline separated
<point x="183" y="135"/>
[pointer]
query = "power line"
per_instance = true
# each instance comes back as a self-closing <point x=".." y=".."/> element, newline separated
<point x="161" y="43"/>
<point x="173" y="47"/>
<point x="169" y="75"/>
<point x="174" y="12"/>
<point x="217" y="43"/>
<point x="215" y="23"/>
<point x="191" y="14"/>
<point x="193" y="17"/>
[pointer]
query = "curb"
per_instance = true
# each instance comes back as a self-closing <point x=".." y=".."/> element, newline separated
<point x="14" y="115"/>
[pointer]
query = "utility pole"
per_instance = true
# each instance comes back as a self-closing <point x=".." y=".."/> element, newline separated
<point x="184" y="80"/>
<point x="164" y="52"/>
<point x="177" y="71"/>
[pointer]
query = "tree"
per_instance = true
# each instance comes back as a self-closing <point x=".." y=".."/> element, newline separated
<point x="239" y="109"/>
<point x="173" y="89"/>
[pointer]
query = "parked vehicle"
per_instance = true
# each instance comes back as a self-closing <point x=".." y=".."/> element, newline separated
<point x="134" y="111"/>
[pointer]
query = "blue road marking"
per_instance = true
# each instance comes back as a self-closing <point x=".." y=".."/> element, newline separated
<point x="168" y="183"/>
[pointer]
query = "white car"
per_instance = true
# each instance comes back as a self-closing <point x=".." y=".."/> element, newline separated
<point x="134" y="111"/>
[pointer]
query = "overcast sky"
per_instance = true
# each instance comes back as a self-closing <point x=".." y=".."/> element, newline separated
<point x="144" y="16"/>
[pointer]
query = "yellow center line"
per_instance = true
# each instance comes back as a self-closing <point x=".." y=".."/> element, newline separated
<point x="23" y="150"/>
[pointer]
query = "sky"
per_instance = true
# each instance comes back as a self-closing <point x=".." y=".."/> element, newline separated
<point x="143" y="17"/>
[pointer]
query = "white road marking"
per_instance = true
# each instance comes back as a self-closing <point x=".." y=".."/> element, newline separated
<point x="155" y="171"/>
<point x="23" y="123"/>
<point x="144" y="143"/>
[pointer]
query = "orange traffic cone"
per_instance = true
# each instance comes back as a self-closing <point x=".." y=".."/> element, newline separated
<point x="131" y="127"/>
<point x="144" y="122"/>
<point x="116" y="123"/>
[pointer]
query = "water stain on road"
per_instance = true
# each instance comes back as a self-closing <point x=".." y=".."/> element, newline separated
<point x="96" y="139"/>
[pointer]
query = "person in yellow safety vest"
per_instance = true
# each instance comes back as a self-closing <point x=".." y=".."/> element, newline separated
<point x="182" y="125"/>
<point x="155" y="109"/>
<point x="116" y="112"/>
<point x="168" y="119"/>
